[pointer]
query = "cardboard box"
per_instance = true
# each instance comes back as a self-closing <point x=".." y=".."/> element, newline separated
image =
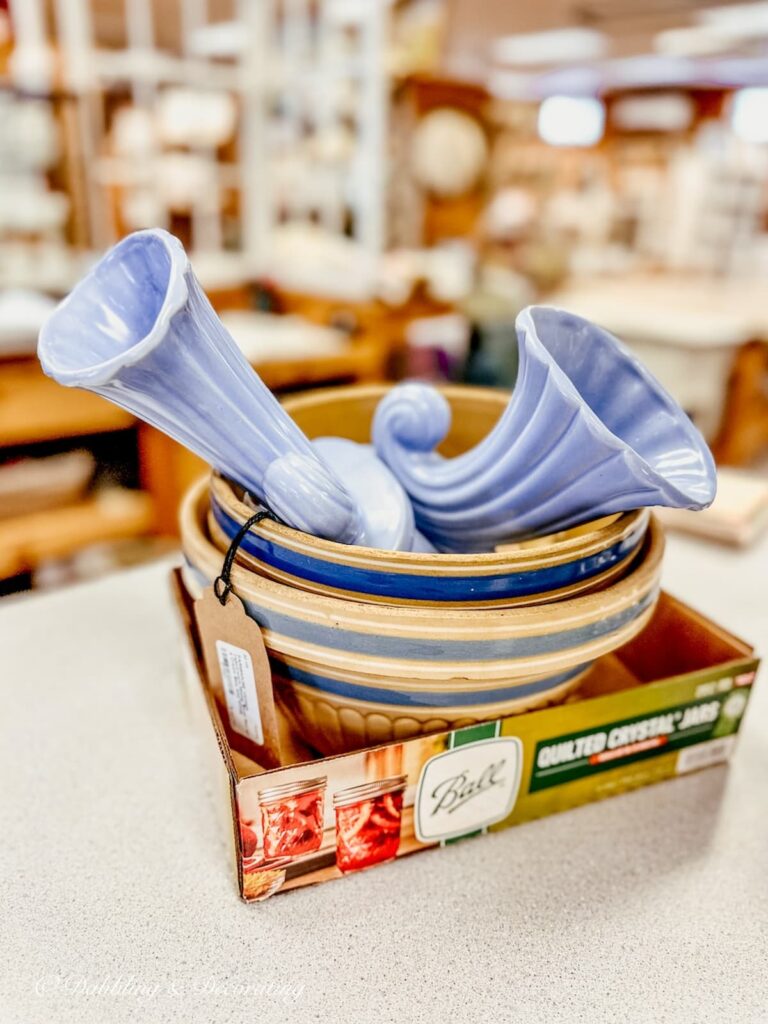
<point x="668" y="703"/>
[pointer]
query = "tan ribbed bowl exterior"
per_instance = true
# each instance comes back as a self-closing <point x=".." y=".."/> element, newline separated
<point x="335" y="725"/>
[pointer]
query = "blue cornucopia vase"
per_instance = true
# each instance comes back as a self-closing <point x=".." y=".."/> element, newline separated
<point x="139" y="330"/>
<point x="588" y="431"/>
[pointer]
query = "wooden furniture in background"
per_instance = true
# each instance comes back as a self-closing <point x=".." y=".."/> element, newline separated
<point x="705" y="338"/>
<point x="372" y="323"/>
<point x="743" y="436"/>
<point x="27" y="541"/>
<point x="34" y="408"/>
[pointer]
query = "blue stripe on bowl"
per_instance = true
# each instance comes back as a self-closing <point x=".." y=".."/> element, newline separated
<point x="438" y="648"/>
<point x="437" y="699"/>
<point x="426" y="587"/>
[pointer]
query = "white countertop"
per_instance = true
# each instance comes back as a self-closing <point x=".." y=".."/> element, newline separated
<point x="652" y="907"/>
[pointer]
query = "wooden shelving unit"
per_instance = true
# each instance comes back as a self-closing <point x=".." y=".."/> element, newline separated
<point x="26" y="541"/>
<point x="34" y="408"/>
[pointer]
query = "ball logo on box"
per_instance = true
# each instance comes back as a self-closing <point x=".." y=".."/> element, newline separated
<point x="467" y="788"/>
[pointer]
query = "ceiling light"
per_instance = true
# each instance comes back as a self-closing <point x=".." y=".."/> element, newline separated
<point x="571" y="121"/>
<point x="749" y="115"/>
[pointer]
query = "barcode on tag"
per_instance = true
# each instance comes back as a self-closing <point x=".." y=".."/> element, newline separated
<point x="704" y="754"/>
<point x="240" y="690"/>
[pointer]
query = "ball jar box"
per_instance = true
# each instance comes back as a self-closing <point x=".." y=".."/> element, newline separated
<point x="669" y="702"/>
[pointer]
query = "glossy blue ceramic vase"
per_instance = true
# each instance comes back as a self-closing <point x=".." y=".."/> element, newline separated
<point x="587" y="432"/>
<point x="139" y="330"/>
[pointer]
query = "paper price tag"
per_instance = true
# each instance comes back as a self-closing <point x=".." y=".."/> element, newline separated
<point x="236" y="667"/>
<point x="239" y="675"/>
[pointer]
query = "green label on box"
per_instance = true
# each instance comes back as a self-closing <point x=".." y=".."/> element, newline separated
<point x="579" y="754"/>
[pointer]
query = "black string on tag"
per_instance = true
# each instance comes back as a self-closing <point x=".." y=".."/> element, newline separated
<point x="222" y="585"/>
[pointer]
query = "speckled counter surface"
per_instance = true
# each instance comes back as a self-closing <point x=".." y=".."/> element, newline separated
<point x="117" y="903"/>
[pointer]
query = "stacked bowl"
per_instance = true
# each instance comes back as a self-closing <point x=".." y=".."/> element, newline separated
<point x="368" y="646"/>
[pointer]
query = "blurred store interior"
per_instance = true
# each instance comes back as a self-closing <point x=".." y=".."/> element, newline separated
<point x="372" y="190"/>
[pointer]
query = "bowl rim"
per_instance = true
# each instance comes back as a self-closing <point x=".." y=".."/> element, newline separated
<point x="584" y="586"/>
<point x="401" y="620"/>
<point x="533" y="553"/>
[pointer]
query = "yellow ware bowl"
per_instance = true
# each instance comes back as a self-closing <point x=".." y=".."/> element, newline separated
<point x="420" y="664"/>
<point x="336" y="725"/>
<point x="580" y="560"/>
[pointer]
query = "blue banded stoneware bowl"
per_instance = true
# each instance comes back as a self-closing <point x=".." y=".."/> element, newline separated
<point x="410" y="666"/>
<point x="586" y="558"/>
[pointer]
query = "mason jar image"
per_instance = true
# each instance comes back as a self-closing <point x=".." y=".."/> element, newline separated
<point x="292" y="817"/>
<point x="368" y="821"/>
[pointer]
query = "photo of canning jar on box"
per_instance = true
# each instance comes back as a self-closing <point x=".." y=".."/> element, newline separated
<point x="292" y="818"/>
<point x="368" y="823"/>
